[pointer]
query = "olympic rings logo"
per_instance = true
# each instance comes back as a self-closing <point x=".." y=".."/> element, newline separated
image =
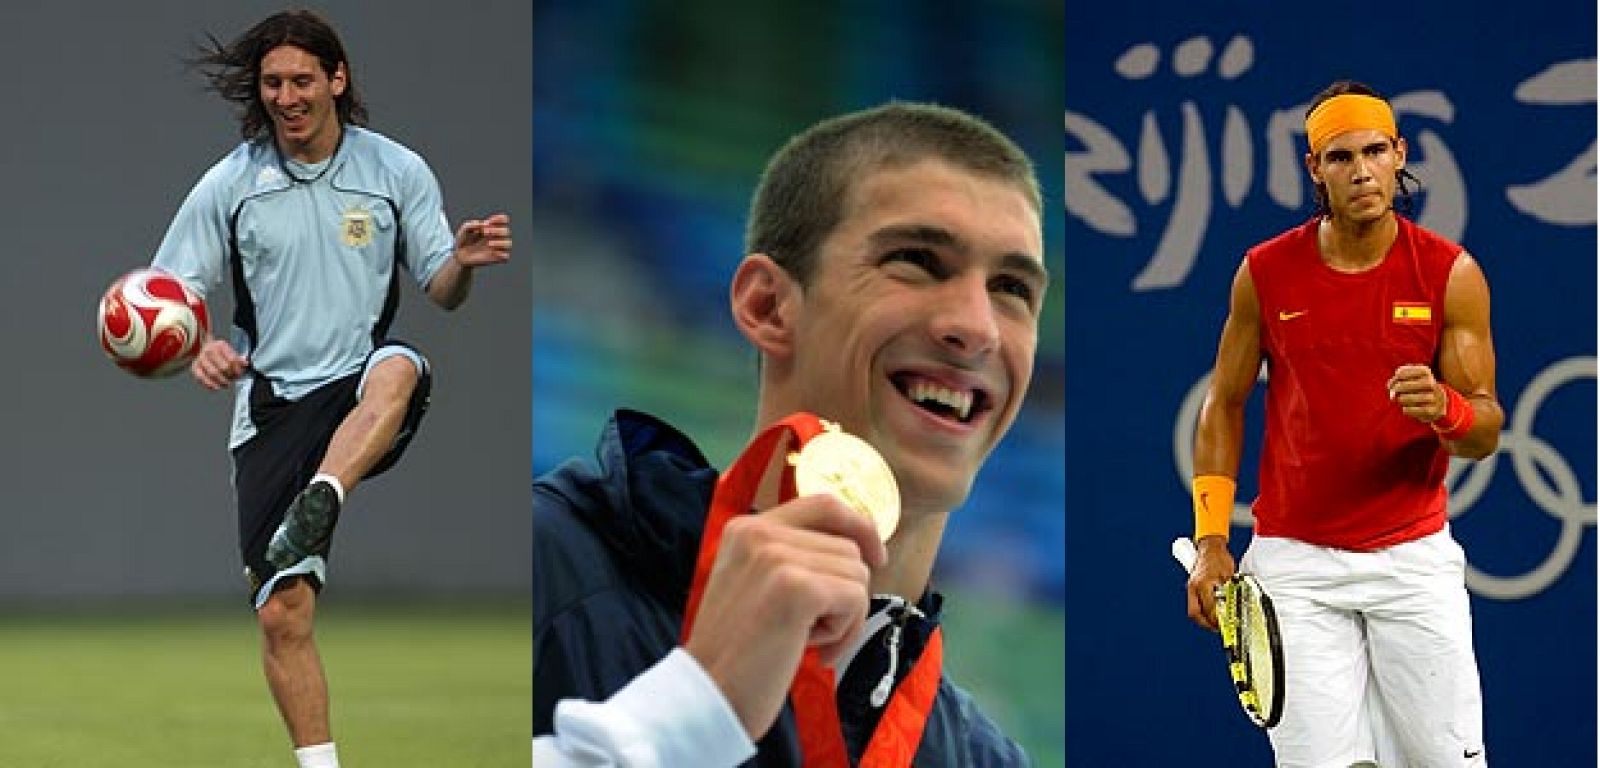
<point x="1544" y="474"/>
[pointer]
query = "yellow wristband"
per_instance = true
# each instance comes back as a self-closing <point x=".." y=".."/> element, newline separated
<point x="1213" y="505"/>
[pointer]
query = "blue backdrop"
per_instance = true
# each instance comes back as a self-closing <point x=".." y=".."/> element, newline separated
<point x="1183" y="148"/>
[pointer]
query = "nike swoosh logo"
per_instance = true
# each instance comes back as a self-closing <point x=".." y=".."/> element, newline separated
<point x="1469" y="753"/>
<point x="1203" y="504"/>
<point x="1291" y="315"/>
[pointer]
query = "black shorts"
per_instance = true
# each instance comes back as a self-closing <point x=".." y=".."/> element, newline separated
<point x="274" y="465"/>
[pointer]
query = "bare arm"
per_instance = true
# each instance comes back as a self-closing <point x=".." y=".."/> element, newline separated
<point x="1219" y="436"/>
<point x="478" y="244"/>
<point x="1466" y="357"/>
<point x="1465" y="363"/>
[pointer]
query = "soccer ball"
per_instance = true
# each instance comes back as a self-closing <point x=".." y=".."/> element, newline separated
<point x="151" y="324"/>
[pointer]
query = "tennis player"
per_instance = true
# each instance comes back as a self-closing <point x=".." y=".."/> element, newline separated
<point x="893" y="285"/>
<point x="310" y="221"/>
<point x="1376" y="337"/>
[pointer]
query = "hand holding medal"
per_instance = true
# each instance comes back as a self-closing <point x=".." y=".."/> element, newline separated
<point x="833" y="463"/>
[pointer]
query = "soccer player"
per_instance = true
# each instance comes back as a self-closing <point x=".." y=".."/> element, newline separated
<point x="310" y="221"/>
<point x="1376" y="337"/>
<point x="892" y="283"/>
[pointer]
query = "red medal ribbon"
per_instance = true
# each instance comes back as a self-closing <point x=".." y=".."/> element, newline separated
<point x="899" y="732"/>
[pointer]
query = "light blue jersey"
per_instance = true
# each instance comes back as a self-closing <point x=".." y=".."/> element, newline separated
<point x="310" y="251"/>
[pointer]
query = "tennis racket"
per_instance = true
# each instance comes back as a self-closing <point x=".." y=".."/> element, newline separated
<point x="1249" y="628"/>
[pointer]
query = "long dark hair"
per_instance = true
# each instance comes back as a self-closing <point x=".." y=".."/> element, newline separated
<point x="233" y="71"/>
<point x="1404" y="202"/>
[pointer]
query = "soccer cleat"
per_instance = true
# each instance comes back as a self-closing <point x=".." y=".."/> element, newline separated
<point x="307" y="527"/>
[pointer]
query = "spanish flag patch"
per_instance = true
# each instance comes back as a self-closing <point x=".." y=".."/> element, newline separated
<point x="1413" y="313"/>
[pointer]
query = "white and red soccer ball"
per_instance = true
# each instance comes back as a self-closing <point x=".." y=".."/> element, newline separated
<point x="151" y="324"/>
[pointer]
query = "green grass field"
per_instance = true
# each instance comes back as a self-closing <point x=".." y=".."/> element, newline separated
<point x="431" y="685"/>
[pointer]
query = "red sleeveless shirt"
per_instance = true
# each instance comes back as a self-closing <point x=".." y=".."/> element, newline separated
<point x="1341" y="465"/>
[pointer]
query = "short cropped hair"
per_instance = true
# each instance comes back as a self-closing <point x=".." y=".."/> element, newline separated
<point x="806" y="185"/>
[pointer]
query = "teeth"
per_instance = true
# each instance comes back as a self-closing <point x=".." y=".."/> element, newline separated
<point x="925" y="391"/>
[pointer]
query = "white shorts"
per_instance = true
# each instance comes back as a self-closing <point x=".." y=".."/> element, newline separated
<point x="1377" y="650"/>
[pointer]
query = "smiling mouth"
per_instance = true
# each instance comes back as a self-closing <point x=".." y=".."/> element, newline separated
<point x="957" y="405"/>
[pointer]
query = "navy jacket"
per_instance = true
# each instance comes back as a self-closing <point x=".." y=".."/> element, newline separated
<point x="614" y="545"/>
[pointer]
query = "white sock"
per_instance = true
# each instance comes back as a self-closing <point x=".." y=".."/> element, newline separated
<point x="317" y="756"/>
<point x="338" y="488"/>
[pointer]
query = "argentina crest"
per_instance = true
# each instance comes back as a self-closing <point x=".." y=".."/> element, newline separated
<point x="356" y="227"/>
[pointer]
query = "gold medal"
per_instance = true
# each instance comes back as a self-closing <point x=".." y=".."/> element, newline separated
<point x="837" y="462"/>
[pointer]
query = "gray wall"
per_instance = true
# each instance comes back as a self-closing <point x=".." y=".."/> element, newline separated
<point x="115" y="487"/>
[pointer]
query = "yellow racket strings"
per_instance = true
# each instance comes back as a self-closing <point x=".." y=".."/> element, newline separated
<point x="1242" y="632"/>
<point x="1258" y="650"/>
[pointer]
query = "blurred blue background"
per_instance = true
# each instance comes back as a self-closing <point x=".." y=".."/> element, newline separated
<point x="652" y="122"/>
<point x="1183" y="148"/>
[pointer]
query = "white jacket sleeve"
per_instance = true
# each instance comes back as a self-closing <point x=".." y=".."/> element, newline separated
<point x="671" y="715"/>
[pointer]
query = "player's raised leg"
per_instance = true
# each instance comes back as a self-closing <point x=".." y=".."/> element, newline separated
<point x="370" y="431"/>
<point x="389" y="403"/>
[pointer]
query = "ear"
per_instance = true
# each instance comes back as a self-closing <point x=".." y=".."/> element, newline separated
<point x="1311" y="168"/>
<point x="1400" y="152"/>
<point x="763" y="299"/>
<point x="337" y="83"/>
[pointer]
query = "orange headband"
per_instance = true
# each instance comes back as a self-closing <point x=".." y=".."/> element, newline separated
<point x="1348" y="112"/>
